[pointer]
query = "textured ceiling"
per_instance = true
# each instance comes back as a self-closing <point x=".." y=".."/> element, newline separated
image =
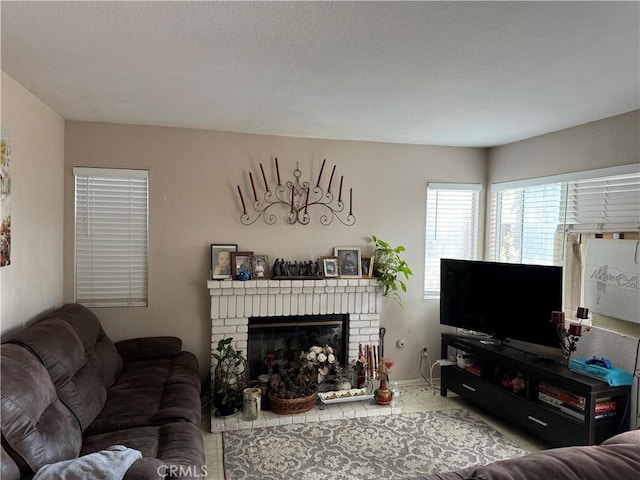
<point x="445" y="73"/>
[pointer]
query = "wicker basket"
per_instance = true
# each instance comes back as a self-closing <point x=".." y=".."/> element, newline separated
<point x="284" y="406"/>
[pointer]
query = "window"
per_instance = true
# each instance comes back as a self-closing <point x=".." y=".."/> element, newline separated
<point x="524" y="223"/>
<point x="529" y="219"/>
<point x="451" y="229"/>
<point x="111" y="231"/>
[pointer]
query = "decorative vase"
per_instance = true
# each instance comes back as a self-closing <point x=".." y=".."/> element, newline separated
<point x="383" y="395"/>
<point x="360" y="378"/>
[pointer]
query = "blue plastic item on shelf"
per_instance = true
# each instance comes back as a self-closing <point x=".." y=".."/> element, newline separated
<point x="615" y="377"/>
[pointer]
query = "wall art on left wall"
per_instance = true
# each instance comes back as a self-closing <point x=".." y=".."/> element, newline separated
<point x="5" y="200"/>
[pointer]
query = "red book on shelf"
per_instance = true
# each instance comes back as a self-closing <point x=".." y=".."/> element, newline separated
<point x="473" y="369"/>
<point x="561" y="394"/>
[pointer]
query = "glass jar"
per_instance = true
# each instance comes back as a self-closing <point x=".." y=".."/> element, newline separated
<point x="395" y="389"/>
<point x="251" y="403"/>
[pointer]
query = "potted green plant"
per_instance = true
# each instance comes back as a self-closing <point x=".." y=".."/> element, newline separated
<point x="388" y="267"/>
<point x="228" y="377"/>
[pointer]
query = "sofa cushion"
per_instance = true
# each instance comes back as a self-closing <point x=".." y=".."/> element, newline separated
<point x="84" y="322"/>
<point x="78" y="382"/>
<point x="152" y="392"/>
<point x="8" y="468"/>
<point x="57" y="346"/>
<point x="147" y="468"/>
<point x="147" y="348"/>
<point x="36" y="426"/>
<point x="179" y="444"/>
<point x="98" y="347"/>
<point x="183" y="368"/>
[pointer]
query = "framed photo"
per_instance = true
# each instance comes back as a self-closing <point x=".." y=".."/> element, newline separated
<point x="367" y="267"/>
<point x="241" y="265"/>
<point x="330" y="266"/>
<point x="221" y="260"/>
<point x="259" y="267"/>
<point x="348" y="262"/>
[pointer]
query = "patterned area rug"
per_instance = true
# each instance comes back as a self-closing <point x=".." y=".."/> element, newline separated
<point x="388" y="447"/>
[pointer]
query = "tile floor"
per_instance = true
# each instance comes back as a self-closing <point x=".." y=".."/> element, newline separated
<point x="413" y="398"/>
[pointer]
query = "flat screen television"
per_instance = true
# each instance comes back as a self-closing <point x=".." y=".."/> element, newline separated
<point x="505" y="300"/>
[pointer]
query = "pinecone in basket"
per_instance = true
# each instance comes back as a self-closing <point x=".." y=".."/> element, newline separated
<point x="293" y="383"/>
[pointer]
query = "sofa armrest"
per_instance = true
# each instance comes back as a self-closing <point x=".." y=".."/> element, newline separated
<point x="610" y="462"/>
<point x="632" y="437"/>
<point x="148" y="348"/>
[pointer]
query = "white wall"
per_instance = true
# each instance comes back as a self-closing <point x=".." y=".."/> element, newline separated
<point x="194" y="202"/>
<point x="606" y="143"/>
<point x="32" y="284"/>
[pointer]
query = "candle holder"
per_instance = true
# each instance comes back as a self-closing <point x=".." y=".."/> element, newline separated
<point x="570" y="336"/>
<point x="297" y="198"/>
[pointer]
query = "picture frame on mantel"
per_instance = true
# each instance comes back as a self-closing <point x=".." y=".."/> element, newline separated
<point x="221" y="260"/>
<point x="330" y="267"/>
<point x="367" y="267"/>
<point x="259" y="267"/>
<point x="241" y="265"/>
<point x="349" y="259"/>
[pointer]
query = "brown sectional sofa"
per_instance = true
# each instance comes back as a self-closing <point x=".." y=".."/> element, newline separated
<point x="68" y="391"/>
<point x="617" y="458"/>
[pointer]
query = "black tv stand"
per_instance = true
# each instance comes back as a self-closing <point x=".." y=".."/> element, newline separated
<point x="484" y="384"/>
<point x="543" y="360"/>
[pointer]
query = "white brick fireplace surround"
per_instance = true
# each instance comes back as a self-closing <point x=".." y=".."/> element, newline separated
<point x="233" y="302"/>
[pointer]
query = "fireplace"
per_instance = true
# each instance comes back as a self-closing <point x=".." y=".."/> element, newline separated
<point x="233" y="303"/>
<point x="275" y="343"/>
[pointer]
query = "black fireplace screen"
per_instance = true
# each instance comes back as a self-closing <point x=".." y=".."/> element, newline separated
<point x="276" y="342"/>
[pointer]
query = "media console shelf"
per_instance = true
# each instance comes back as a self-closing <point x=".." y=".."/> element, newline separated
<point x="549" y="400"/>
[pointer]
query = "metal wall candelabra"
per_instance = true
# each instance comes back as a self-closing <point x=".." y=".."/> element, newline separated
<point x="295" y="199"/>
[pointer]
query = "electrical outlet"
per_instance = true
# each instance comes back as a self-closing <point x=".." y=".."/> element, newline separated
<point x="424" y="351"/>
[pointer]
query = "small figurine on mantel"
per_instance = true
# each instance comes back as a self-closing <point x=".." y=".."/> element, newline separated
<point x="297" y="269"/>
<point x="277" y="270"/>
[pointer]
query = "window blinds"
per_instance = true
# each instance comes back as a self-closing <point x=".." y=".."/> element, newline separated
<point x="111" y="236"/>
<point x="529" y="218"/>
<point x="451" y="228"/>
<point x="609" y="204"/>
